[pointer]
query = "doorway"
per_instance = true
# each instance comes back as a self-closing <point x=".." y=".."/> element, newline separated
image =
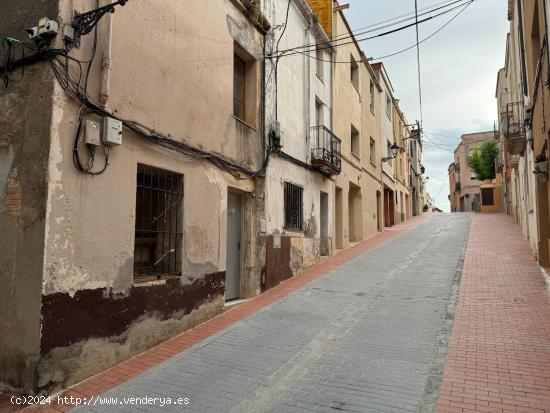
<point x="325" y="249"/>
<point x="355" y="205"/>
<point x="379" y="211"/>
<point x="389" y="207"/>
<point x="234" y="258"/>
<point x="339" y="233"/>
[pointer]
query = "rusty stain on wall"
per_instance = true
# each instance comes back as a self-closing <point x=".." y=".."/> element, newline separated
<point x="13" y="199"/>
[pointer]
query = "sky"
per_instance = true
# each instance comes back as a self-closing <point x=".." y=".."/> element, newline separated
<point x="459" y="68"/>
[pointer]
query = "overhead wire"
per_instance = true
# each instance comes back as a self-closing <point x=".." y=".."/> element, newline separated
<point x="325" y="45"/>
<point x="312" y="56"/>
<point x="426" y="38"/>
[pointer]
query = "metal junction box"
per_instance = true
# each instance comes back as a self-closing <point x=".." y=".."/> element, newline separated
<point x="92" y="133"/>
<point x="112" y="132"/>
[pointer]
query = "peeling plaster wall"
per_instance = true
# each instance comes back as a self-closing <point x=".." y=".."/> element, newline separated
<point x="25" y="114"/>
<point x="171" y="82"/>
<point x="304" y="245"/>
<point x="299" y="89"/>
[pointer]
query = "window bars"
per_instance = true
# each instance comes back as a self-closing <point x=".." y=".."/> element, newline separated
<point x="159" y="222"/>
<point x="293" y="206"/>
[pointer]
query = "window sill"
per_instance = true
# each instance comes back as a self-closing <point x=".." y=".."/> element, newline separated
<point x="248" y="125"/>
<point x="321" y="79"/>
<point x="293" y="230"/>
<point x="152" y="280"/>
<point x="356" y="87"/>
<point x="373" y="164"/>
<point x="357" y="158"/>
<point x="148" y="283"/>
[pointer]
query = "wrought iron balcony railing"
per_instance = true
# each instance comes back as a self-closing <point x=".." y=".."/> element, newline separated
<point x="325" y="152"/>
<point x="513" y="127"/>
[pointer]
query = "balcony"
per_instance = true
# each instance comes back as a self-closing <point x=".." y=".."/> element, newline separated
<point x="513" y="127"/>
<point x="514" y="161"/>
<point x="325" y="152"/>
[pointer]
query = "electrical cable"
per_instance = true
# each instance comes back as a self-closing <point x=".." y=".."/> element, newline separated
<point x="325" y="45"/>
<point x="426" y="38"/>
<point x="311" y="56"/>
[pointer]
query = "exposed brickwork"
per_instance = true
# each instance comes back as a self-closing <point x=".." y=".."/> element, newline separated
<point x="499" y="354"/>
<point x="128" y="369"/>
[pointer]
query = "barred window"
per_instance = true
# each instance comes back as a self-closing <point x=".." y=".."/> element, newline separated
<point x="293" y="206"/>
<point x="159" y="222"/>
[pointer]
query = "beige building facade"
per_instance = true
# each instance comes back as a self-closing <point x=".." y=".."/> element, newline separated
<point x="517" y="156"/>
<point x="465" y="192"/>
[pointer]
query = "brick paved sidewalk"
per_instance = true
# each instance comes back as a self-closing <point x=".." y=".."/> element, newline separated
<point x="499" y="353"/>
<point x="126" y="370"/>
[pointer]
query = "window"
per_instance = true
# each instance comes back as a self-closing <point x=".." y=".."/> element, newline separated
<point x="239" y="74"/>
<point x="293" y="206"/>
<point x="355" y="142"/>
<point x="354" y="73"/>
<point x="372" y="96"/>
<point x="487" y="196"/>
<point x="245" y="89"/>
<point x="389" y="152"/>
<point x="372" y="151"/>
<point x="159" y="222"/>
<point x="388" y="105"/>
<point x="319" y="118"/>
<point x="319" y="55"/>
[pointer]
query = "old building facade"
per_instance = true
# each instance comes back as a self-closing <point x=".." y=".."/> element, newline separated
<point x="521" y="94"/>
<point x="465" y="190"/>
<point x="126" y="258"/>
<point x="142" y="191"/>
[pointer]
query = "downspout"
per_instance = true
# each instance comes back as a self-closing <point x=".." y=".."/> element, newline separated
<point x="307" y="92"/>
<point x="547" y="46"/>
<point x="106" y="62"/>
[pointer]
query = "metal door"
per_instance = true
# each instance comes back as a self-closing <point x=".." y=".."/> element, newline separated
<point x="233" y="263"/>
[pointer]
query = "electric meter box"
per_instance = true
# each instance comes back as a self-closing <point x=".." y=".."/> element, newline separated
<point x="112" y="132"/>
<point x="92" y="133"/>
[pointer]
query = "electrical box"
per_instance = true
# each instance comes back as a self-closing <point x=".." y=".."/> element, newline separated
<point x="92" y="133"/>
<point x="112" y="131"/>
<point x="46" y="28"/>
<point x="276" y="135"/>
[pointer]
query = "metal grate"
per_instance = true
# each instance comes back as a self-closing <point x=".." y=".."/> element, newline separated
<point x="159" y="222"/>
<point x="293" y="206"/>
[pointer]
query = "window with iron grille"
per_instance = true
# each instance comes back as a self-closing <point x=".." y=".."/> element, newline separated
<point x="159" y="223"/>
<point x="293" y="206"/>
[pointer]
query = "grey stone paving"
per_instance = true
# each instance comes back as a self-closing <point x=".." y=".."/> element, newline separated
<point x="368" y="337"/>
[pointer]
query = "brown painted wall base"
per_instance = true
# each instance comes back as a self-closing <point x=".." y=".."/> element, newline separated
<point x="94" y="329"/>
<point x="277" y="263"/>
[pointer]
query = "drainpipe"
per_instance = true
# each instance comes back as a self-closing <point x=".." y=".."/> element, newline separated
<point x="546" y="28"/>
<point x="106" y="61"/>
<point x="307" y="86"/>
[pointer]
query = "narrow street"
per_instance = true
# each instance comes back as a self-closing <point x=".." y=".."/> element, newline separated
<point x="447" y="314"/>
<point x="368" y="336"/>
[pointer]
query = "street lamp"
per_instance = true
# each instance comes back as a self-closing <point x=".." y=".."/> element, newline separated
<point x="394" y="150"/>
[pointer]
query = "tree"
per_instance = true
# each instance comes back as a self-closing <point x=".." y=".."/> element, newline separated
<point x="482" y="160"/>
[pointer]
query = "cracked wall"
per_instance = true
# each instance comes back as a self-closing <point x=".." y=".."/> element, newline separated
<point x="25" y="112"/>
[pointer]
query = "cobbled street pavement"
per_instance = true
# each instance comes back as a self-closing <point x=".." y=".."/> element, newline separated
<point x="370" y="336"/>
